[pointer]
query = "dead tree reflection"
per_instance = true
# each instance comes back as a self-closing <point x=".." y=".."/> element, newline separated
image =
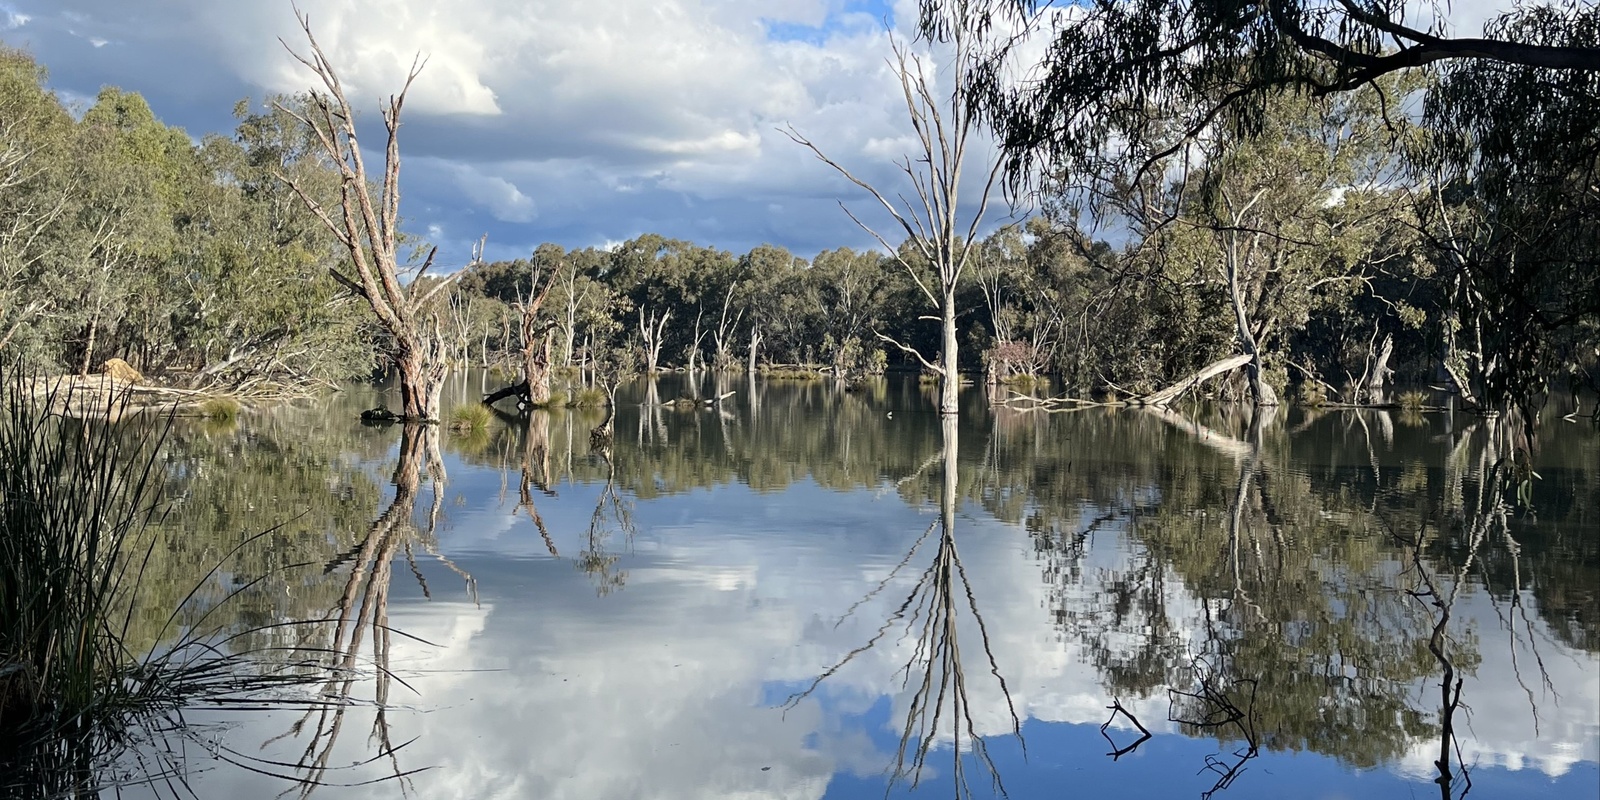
<point x="362" y="611"/>
<point x="1483" y="521"/>
<point x="613" y="516"/>
<point x="535" y="474"/>
<point x="935" y="671"/>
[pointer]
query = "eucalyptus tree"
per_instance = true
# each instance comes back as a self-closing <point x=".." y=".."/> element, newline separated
<point x="1154" y="77"/>
<point x="653" y="272"/>
<point x="581" y="303"/>
<point x="1510" y="208"/>
<point x="777" y="295"/>
<point x="368" y="228"/>
<point x="1107" y="65"/>
<point x="135" y="177"/>
<point x="944" y="120"/>
<point x="35" y="130"/>
<point x="251" y="297"/>
<point x="854" y="297"/>
<point x="1295" y="213"/>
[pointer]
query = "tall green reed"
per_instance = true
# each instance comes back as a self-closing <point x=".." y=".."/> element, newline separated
<point x="75" y="507"/>
<point x="79" y="496"/>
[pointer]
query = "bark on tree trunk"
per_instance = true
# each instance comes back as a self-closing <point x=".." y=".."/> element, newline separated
<point x="421" y="383"/>
<point x="536" y="366"/>
<point x="1261" y="391"/>
<point x="755" y="342"/>
<point x="951" y="383"/>
<point x="694" y="346"/>
<point x="88" y="348"/>
<point x="1380" y="370"/>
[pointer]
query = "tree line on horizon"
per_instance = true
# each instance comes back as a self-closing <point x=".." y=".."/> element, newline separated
<point x="1306" y="240"/>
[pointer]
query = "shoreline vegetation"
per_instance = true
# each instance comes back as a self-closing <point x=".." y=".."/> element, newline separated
<point x="93" y="665"/>
<point x="1336" y="321"/>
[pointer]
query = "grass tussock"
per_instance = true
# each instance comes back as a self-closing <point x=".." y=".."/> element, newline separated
<point x="1413" y="400"/>
<point x="793" y="375"/>
<point x="220" y="409"/>
<point x="589" y="397"/>
<point x="1023" y="382"/>
<point x="559" y="398"/>
<point x="469" y="418"/>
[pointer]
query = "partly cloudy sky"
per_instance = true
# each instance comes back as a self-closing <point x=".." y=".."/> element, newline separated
<point x="545" y="120"/>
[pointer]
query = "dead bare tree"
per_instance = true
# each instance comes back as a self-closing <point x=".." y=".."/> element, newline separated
<point x="944" y="125"/>
<point x="368" y="228"/>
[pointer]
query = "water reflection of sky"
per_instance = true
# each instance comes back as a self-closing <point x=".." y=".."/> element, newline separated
<point x="673" y="686"/>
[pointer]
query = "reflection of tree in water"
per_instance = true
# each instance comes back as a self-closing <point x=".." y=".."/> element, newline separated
<point x="935" y="671"/>
<point x="613" y="514"/>
<point x="538" y="471"/>
<point x="362" y="611"/>
<point x="1303" y="640"/>
<point x="1306" y="561"/>
<point x="1440" y="563"/>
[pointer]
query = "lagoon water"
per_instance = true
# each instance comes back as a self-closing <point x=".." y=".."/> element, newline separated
<point x="811" y="593"/>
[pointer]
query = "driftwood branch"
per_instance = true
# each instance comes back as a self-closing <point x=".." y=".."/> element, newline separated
<point x="1171" y="393"/>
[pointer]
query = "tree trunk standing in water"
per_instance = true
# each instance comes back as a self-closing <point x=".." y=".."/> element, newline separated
<point x="652" y="331"/>
<point x="536" y="340"/>
<point x="536" y="365"/>
<point x="932" y="226"/>
<point x="948" y="388"/>
<point x="368" y="231"/>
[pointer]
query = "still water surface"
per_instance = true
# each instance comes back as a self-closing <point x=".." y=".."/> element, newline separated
<point x="812" y="593"/>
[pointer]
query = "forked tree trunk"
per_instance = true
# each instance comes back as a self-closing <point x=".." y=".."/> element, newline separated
<point x="651" y="333"/>
<point x="694" y="346"/>
<point x="1261" y="391"/>
<point x="367" y="227"/>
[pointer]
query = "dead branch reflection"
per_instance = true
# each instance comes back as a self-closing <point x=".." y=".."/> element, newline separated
<point x="363" y="611"/>
<point x="936" y="670"/>
<point x="612" y="517"/>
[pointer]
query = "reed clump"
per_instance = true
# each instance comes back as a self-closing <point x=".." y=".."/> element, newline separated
<point x="78" y="499"/>
<point x="469" y="418"/>
<point x="1413" y="400"/>
<point x="75" y="501"/>
<point x="589" y="397"/>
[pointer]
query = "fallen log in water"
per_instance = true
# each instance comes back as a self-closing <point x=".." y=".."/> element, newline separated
<point x="1166" y="396"/>
<point x="106" y="396"/>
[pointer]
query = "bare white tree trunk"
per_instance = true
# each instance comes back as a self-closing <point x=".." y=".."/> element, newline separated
<point x="755" y="342"/>
<point x="651" y="333"/>
<point x="724" y="333"/>
<point x="942" y="125"/>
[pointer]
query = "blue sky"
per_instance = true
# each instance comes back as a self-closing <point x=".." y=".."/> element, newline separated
<point x="550" y="120"/>
<point x="546" y="120"/>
